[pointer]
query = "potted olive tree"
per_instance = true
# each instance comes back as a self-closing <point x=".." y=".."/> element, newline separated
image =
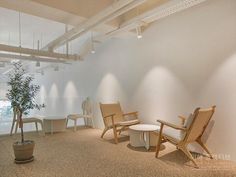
<point x="22" y="93"/>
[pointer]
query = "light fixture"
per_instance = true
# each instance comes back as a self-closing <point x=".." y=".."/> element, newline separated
<point x="139" y="32"/>
<point x="38" y="64"/>
<point x="92" y="44"/>
<point x="92" y="49"/>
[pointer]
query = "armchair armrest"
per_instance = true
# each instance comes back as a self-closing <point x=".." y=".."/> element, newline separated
<point x="130" y="113"/>
<point x="172" y="125"/>
<point x="111" y="116"/>
<point x="182" y="119"/>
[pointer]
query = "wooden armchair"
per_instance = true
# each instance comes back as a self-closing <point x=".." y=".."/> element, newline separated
<point x="190" y="131"/>
<point x="115" y="119"/>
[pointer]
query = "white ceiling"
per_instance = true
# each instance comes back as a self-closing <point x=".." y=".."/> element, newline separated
<point x="43" y="29"/>
<point x="33" y="29"/>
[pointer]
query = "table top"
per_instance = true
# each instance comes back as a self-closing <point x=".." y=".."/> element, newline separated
<point x="145" y="127"/>
<point x="53" y="118"/>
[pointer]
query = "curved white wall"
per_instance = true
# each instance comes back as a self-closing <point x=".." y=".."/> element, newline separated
<point x="183" y="61"/>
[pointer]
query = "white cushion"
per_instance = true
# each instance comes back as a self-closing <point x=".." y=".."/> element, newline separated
<point x="189" y="121"/>
<point x="173" y="134"/>
<point x="128" y="122"/>
<point x="187" y="124"/>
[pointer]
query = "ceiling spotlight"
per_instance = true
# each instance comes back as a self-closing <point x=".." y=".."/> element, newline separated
<point x="92" y="51"/>
<point x="92" y="47"/>
<point x="37" y="64"/>
<point x="92" y="44"/>
<point x="139" y="32"/>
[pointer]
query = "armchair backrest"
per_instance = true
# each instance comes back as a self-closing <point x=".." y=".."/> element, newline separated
<point x="108" y="109"/>
<point x="201" y="118"/>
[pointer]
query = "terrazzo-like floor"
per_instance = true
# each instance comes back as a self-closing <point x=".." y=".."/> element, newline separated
<point x="85" y="154"/>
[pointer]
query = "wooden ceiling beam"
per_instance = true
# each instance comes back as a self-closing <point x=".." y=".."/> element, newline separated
<point x="39" y="53"/>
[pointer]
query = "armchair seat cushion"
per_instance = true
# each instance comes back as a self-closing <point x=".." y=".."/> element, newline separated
<point x="173" y="134"/>
<point x="128" y="122"/>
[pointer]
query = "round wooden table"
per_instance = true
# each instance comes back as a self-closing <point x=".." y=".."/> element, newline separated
<point x="140" y="134"/>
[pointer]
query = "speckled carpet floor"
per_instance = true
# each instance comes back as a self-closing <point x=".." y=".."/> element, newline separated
<point x="85" y="154"/>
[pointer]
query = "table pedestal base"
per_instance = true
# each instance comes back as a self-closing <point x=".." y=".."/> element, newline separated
<point x="142" y="139"/>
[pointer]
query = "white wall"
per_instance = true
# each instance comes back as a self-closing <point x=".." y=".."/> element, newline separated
<point x="3" y="90"/>
<point x="183" y="61"/>
<point x="63" y="92"/>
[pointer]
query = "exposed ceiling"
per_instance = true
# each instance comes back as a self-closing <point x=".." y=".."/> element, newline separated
<point x="46" y="21"/>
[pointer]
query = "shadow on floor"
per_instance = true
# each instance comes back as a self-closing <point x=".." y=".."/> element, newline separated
<point x="121" y="139"/>
<point x="177" y="157"/>
<point x="143" y="149"/>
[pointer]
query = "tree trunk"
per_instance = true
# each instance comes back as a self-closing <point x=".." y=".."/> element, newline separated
<point x="21" y="127"/>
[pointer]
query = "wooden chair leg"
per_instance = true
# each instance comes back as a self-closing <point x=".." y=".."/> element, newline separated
<point x="188" y="154"/>
<point x="36" y="126"/>
<point x="199" y="141"/>
<point x="104" y="131"/>
<point x="12" y="127"/>
<point x="115" y="134"/>
<point x="159" y="141"/>
<point x="121" y="130"/>
<point x="92" y="122"/>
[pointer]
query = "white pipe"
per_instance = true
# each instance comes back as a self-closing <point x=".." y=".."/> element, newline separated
<point x="157" y="13"/>
<point x="104" y="16"/>
<point x="67" y="44"/>
<point x="4" y="56"/>
<point x="109" y="18"/>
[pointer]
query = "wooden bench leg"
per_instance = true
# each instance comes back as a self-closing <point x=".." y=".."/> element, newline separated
<point x="75" y="125"/>
<point x="42" y="128"/>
